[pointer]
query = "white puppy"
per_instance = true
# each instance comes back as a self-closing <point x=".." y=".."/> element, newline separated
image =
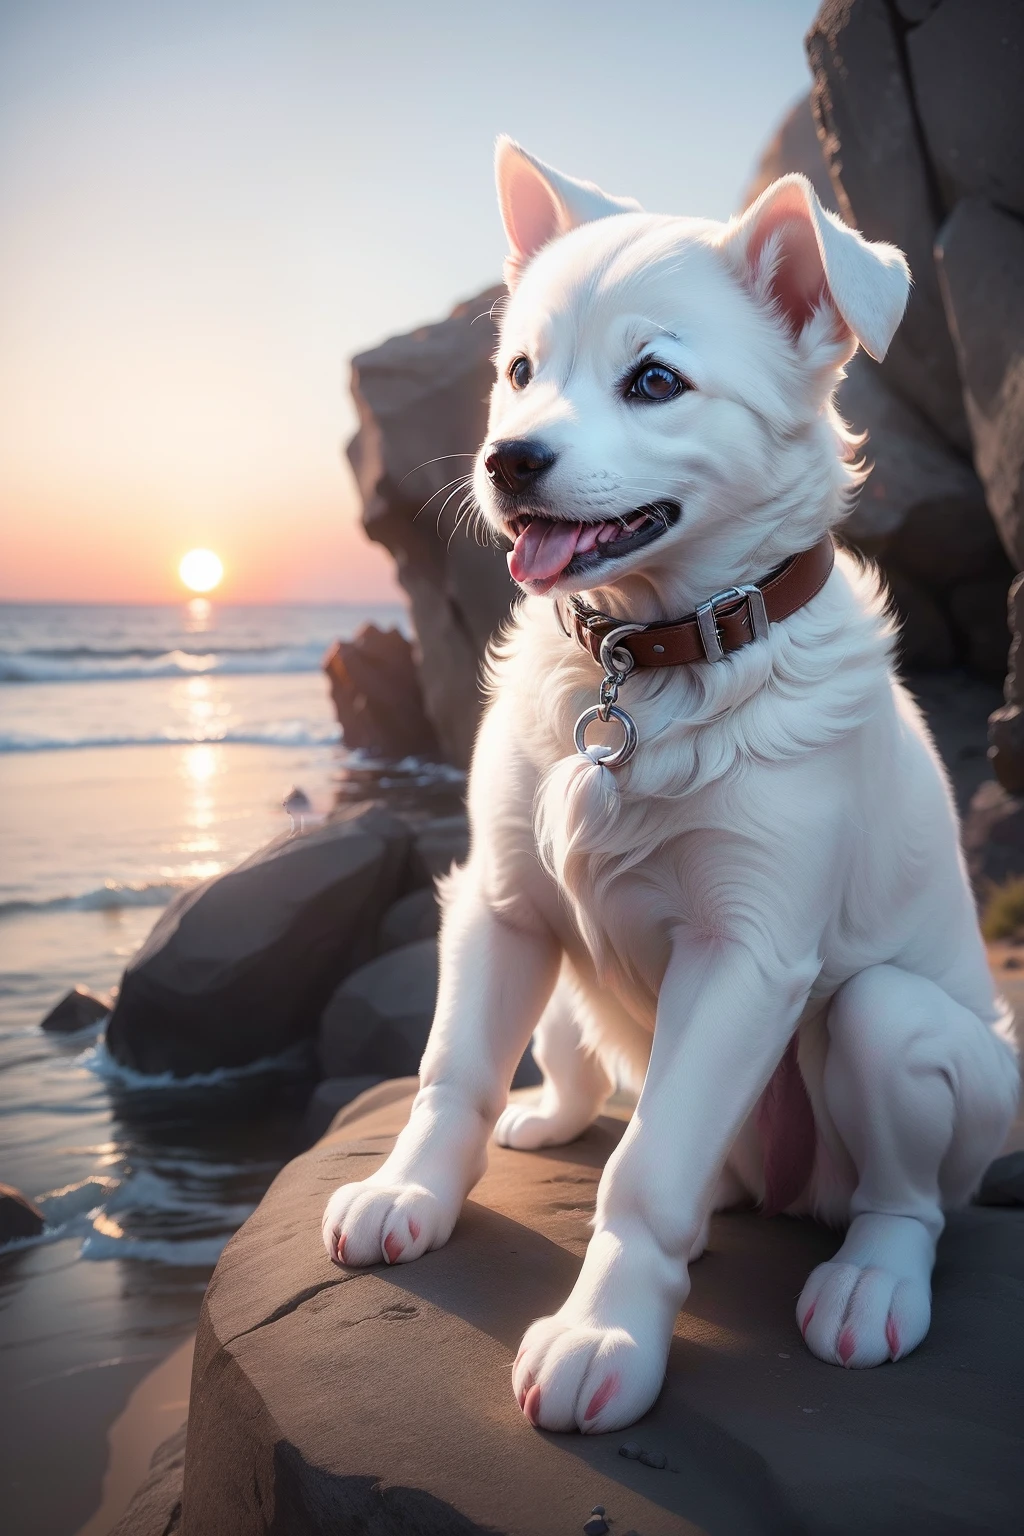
<point x="762" y="916"/>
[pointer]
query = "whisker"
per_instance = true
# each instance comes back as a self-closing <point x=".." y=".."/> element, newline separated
<point x="427" y="462"/>
<point x="460" y="487"/>
<point x="456" y="480"/>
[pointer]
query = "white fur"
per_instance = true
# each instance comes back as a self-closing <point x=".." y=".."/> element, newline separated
<point x="780" y="855"/>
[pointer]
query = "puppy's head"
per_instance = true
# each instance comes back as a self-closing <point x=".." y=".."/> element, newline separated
<point x="663" y="406"/>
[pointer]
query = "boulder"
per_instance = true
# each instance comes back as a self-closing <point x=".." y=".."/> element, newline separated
<point x="440" y="843"/>
<point x="981" y="255"/>
<point x="412" y="918"/>
<point x="918" y="486"/>
<point x="1006" y="724"/>
<point x="993" y="836"/>
<point x="926" y="642"/>
<point x="77" y="1009"/>
<point x="378" y="1020"/>
<point x="1003" y="1184"/>
<point x="239" y="968"/>
<point x="19" y="1216"/>
<point x="379" y="1401"/>
<point x="966" y="66"/>
<point x="978" y="612"/>
<point x="376" y="692"/>
<point x="865" y="113"/>
<point x="422" y="403"/>
<point x="327" y="1098"/>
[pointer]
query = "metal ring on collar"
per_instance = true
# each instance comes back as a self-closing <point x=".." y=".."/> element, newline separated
<point x="630" y="735"/>
<point x="607" y="651"/>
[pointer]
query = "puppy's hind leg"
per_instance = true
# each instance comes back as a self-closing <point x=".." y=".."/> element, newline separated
<point x="575" y="1083"/>
<point x="921" y="1092"/>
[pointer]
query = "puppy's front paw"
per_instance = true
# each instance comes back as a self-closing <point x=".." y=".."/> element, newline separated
<point x="856" y="1316"/>
<point x="528" y="1126"/>
<point x="371" y="1223"/>
<point x="571" y="1375"/>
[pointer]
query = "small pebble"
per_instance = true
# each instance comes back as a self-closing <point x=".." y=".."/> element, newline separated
<point x="595" y="1526"/>
<point x="630" y="1450"/>
<point x="656" y="1459"/>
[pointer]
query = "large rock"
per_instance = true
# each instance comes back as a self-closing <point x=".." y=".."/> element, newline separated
<point x="329" y="1096"/>
<point x="1006" y="724"/>
<point x="922" y="514"/>
<point x="442" y="842"/>
<point x="993" y="837"/>
<point x="422" y="402"/>
<point x="19" y="1216"/>
<point x="981" y="251"/>
<point x="966" y="66"/>
<point x="240" y="968"/>
<point x="379" y="1401"/>
<point x="379" y="1018"/>
<point x="918" y="486"/>
<point x="77" y="1009"/>
<point x="865" y="112"/>
<point x="376" y="693"/>
<point x="413" y="917"/>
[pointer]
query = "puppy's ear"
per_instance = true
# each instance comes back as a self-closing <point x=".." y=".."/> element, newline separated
<point x="538" y="203"/>
<point x="800" y="257"/>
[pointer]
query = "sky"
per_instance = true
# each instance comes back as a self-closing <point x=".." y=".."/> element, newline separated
<point x="207" y="207"/>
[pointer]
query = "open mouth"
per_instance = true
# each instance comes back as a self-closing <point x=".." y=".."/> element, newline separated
<point x="547" y="548"/>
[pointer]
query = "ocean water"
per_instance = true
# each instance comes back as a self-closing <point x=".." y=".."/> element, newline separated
<point x="141" y="749"/>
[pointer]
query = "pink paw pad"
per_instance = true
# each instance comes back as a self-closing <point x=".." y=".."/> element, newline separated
<point x="414" y="1229"/>
<point x="846" y="1346"/>
<point x="524" y="1389"/>
<point x="340" y="1255"/>
<point x="531" y="1405"/>
<point x="892" y="1338"/>
<point x="605" y="1392"/>
<point x="393" y="1248"/>
<point x="807" y="1318"/>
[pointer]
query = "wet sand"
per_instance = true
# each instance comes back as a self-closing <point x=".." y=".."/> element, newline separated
<point x="155" y="1409"/>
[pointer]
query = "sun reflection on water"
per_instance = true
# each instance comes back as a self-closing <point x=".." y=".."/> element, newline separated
<point x="198" y="616"/>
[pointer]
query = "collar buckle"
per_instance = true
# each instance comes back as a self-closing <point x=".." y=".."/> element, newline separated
<point x="707" y="621"/>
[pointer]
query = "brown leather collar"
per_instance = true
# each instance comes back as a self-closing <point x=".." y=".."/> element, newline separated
<point x="725" y="623"/>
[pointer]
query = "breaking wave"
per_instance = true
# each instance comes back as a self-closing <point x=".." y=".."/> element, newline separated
<point x="86" y="663"/>
<point x="108" y="897"/>
<point x="98" y="1060"/>
<point x="280" y="733"/>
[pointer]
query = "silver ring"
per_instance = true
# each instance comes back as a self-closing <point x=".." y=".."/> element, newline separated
<point x="630" y="735"/>
<point x="608" y="650"/>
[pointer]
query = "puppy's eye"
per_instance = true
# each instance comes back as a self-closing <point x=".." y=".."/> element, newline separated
<point x="655" y="382"/>
<point x="520" y="373"/>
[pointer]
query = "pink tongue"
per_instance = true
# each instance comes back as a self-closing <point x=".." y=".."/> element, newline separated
<point x="542" y="552"/>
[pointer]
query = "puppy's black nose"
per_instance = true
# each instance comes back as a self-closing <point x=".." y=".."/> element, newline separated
<point x="515" y="465"/>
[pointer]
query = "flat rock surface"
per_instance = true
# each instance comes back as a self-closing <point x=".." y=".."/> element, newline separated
<point x="379" y="1401"/>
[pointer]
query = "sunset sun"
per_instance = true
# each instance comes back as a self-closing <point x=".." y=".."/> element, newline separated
<point x="201" y="570"/>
